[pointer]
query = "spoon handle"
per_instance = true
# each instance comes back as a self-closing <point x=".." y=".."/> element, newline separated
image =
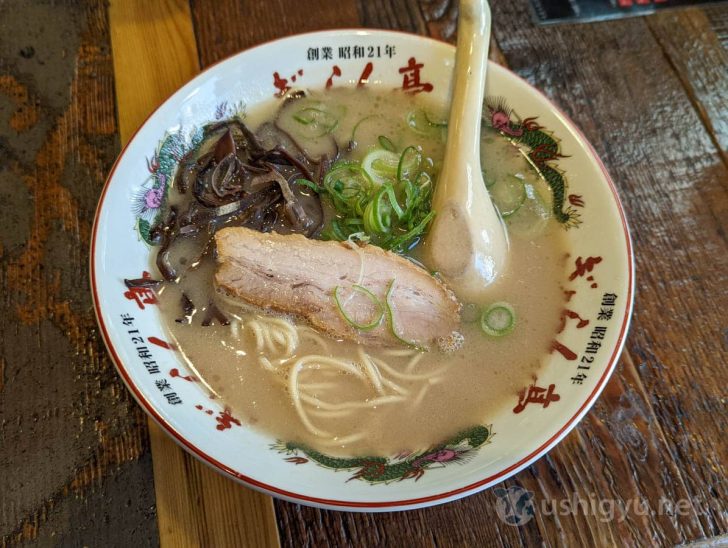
<point x="467" y="101"/>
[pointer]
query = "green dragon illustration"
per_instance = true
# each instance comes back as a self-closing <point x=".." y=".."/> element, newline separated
<point x="385" y="470"/>
<point x="542" y="149"/>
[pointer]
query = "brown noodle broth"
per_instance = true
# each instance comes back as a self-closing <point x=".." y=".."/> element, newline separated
<point x="473" y="383"/>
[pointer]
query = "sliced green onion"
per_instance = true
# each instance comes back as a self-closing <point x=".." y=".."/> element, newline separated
<point x="348" y="186"/>
<point x="389" y="191"/>
<point x="411" y="199"/>
<point x="371" y="199"/>
<point x="335" y="231"/>
<point x="360" y="122"/>
<point x="386" y="143"/>
<point x="371" y="224"/>
<point x="409" y="163"/>
<point x="390" y="319"/>
<point x="353" y="221"/>
<point x="306" y="116"/>
<point x="489" y="181"/>
<point x="310" y="184"/>
<point x="508" y="195"/>
<point x="317" y="122"/>
<point x="424" y="183"/>
<point x="417" y="122"/>
<point x="417" y="230"/>
<point x="380" y="165"/>
<point x="498" y="319"/>
<point x="532" y="217"/>
<point x="372" y="297"/>
<point x="378" y="214"/>
<point x="383" y="210"/>
<point x="433" y="122"/>
<point x="359" y="237"/>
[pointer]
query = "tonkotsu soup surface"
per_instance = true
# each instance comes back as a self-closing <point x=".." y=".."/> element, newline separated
<point x="422" y="398"/>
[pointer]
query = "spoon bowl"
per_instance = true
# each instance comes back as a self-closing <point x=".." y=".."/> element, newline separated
<point x="467" y="242"/>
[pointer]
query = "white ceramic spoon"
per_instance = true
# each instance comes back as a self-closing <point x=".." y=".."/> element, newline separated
<point x="467" y="242"/>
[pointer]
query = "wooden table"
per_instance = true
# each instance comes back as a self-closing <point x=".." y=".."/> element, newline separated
<point x="79" y="464"/>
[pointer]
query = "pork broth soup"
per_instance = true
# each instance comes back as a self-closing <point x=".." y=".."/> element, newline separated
<point x="295" y="288"/>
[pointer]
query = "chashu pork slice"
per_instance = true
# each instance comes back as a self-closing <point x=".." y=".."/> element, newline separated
<point x="295" y="275"/>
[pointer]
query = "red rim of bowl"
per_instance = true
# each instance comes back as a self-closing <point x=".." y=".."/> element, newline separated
<point x="387" y="505"/>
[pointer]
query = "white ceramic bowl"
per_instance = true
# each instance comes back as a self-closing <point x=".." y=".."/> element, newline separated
<point x="567" y="386"/>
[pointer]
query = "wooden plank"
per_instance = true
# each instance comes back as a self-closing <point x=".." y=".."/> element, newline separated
<point x="154" y="53"/>
<point x="405" y="15"/>
<point x="718" y="17"/>
<point x="229" y="27"/>
<point x="74" y="453"/>
<point x="701" y="62"/>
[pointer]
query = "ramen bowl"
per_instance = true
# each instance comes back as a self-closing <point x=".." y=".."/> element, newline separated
<point x="598" y="281"/>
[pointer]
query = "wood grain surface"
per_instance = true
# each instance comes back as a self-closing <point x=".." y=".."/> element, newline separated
<point x="74" y="450"/>
<point x="651" y="94"/>
<point x="700" y="62"/>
